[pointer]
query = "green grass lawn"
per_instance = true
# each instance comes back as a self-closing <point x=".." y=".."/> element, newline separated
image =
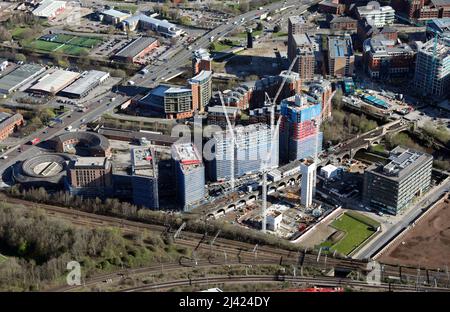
<point x="219" y="47"/>
<point x="42" y="45"/>
<point x="16" y="32"/>
<point x="127" y="7"/>
<point x="68" y="44"/>
<point x="356" y="231"/>
<point x="244" y="34"/>
<point x="280" y="34"/>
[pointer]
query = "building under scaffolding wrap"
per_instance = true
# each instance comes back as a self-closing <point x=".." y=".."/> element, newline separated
<point x="300" y="135"/>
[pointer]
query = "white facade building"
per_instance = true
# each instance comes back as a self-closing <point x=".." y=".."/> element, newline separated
<point x="49" y="8"/>
<point x="329" y="171"/>
<point x="377" y="15"/>
<point x="308" y="186"/>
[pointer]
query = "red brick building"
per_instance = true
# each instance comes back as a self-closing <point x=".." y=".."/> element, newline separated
<point x="421" y="10"/>
<point x="9" y="123"/>
<point x="343" y="23"/>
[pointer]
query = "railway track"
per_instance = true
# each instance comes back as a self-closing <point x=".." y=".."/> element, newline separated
<point x="320" y="282"/>
<point x="243" y="251"/>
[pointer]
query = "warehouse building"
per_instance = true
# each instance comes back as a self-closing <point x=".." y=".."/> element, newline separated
<point x="144" y="22"/>
<point x="19" y="77"/>
<point x="88" y="81"/>
<point x="113" y="17"/>
<point x="9" y="123"/>
<point x="390" y="188"/>
<point x="137" y="50"/>
<point x="54" y="82"/>
<point x="49" y="9"/>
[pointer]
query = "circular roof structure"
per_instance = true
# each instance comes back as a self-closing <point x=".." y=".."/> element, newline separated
<point x="92" y="141"/>
<point x="45" y="168"/>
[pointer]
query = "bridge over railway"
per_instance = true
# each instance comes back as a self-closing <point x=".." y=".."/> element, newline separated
<point x="349" y="148"/>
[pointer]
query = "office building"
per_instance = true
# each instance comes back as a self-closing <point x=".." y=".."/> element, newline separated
<point x="340" y="56"/>
<point x="385" y="58"/>
<point x="201" y="60"/>
<point x="390" y="188"/>
<point x="308" y="182"/>
<point x="254" y="149"/>
<point x="190" y="175"/>
<point x="300" y="135"/>
<point x="376" y="14"/>
<point x="201" y="86"/>
<point x="432" y="72"/>
<point x="144" y="171"/>
<point x="90" y="176"/>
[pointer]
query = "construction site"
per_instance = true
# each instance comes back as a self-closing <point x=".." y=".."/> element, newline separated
<point x="426" y="243"/>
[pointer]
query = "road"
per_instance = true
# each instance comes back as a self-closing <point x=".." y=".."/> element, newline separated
<point x="182" y="55"/>
<point x="23" y="151"/>
<point x="413" y="212"/>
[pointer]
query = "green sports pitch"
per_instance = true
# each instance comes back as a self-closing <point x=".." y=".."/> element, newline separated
<point x="355" y="229"/>
<point x="67" y="44"/>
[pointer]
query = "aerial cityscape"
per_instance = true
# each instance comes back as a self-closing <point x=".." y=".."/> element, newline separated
<point x="225" y="146"/>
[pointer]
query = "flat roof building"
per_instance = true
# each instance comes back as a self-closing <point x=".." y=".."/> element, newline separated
<point x="55" y="81"/>
<point x="90" y="176"/>
<point x="144" y="22"/>
<point x="340" y="56"/>
<point x="49" y="8"/>
<point x="19" y="77"/>
<point x="303" y="47"/>
<point x="386" y="58"/>
<point x="201" y="60"/>
<point x="201" y="86"/>
<point x="376" y="14"/>
<point x="190" y="175"/>
<point x="137" y="50"/>
<point x="432" y="72"/>
<point x="9" y="123"/>
<point x="88" y="81"/>
<point x="390" y="188"/>
<point x="112" y="16"/>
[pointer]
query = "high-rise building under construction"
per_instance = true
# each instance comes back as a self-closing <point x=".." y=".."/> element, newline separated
<point x="300" y="135"/>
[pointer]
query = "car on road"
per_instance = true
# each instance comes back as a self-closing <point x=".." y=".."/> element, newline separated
<point x="4" y="157"/>
<point x="380" y="213"/>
